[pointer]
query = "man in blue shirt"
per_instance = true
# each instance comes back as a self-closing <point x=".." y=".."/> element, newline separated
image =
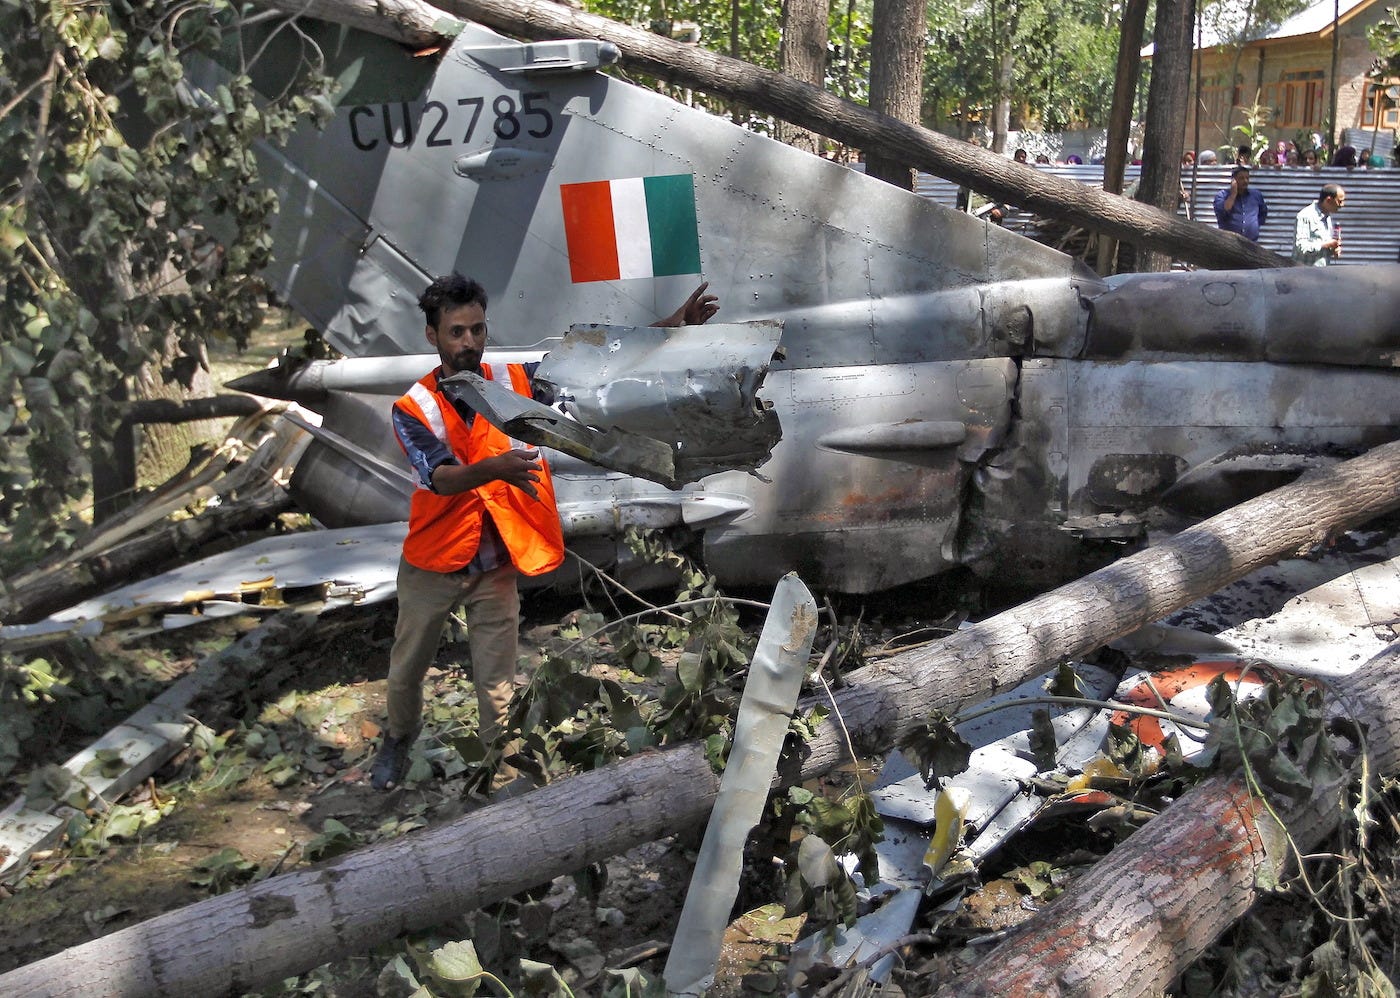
<point x="1239" y="209"/>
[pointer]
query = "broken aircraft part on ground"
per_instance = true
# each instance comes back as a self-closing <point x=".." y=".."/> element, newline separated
<point x="326" y="568"/>
<point x="951" y="393"/>
<point x="670" y="405"/>
<point x="1322" y="616"/>
<point x="765" y="709"/>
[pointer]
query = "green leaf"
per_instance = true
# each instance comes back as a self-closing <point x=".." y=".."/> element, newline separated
<point x="936" y="746"/>
<point x="690" y="670"/>
<point x="1043" y="742"/>
<point x="455" y="969"/>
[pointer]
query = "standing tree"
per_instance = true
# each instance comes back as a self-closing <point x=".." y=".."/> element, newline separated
<point x="1120" y="118"/>
<point x="131" y="225"/>
<point x="1060" y="60"/>
<point x="896" y="76"/>
<point x="1164" y="131"/>
<point x="1006" y="19"/>
<point x="802" y="56"/>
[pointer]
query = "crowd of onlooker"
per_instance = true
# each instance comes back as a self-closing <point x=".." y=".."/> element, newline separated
<point x="1240" y="208"/>
<point x="1280" y="155"/>
<point x="1291" y="154"/>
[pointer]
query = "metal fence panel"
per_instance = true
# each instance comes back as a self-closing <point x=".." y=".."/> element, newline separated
<point x="1370" y="221"/>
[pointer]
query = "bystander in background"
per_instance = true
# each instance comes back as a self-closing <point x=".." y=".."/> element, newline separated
<point x="1238" y="208"/>
<point x="1317" y="239"/>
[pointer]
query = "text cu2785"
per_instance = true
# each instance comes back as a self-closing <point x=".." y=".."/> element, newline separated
<point x="439" y="125"/>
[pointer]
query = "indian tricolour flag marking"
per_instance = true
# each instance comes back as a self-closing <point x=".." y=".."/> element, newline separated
<point x="636" y="227"/>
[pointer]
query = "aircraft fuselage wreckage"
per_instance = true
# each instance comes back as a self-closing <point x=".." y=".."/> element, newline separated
<point x="945" y="392"/>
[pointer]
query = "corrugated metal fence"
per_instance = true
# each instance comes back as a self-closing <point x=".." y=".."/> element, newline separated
<point x="1370" y="221"/>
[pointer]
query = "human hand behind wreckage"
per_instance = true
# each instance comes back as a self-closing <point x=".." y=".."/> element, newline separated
<point x="698" y="309"/>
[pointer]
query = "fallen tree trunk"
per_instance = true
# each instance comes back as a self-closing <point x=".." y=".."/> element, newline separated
<point x="1139" y="918"/>
<point x="189" y="410"/>
<point x="291" y="923"/>
<point x="813" y="108"/>
<point x="258" y="451"/>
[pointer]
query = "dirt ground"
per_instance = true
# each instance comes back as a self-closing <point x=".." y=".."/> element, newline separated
<point x="326" y="712"/>
<point x="324" y="707"/>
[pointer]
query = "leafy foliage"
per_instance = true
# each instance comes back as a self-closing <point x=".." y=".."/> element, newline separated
<point x="117" y="174"/>
<point x="1384" y="38"/>
<point x="1064" y="62"/>
<point x="935" y="745"/>
<point x="1282" y="736"/>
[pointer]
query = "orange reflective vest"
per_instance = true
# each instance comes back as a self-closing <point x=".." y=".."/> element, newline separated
<point x="444" y="532"/>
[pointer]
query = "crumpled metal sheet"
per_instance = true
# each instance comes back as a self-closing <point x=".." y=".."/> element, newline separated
<point x="530" y="422"/>
<point x="770" y="696"/>
<point x="695" y="388"/>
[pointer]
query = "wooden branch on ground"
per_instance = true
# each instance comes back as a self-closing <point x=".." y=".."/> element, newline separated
<point x="288" y="924"/>
<point x="189" y="410"/>
<point x="73" y="581"/>
<point x="813" y="108"/>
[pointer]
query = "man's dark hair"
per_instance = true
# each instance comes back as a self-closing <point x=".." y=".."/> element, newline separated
<point x="450" y="291"/>
<point x="1329" y="191"/>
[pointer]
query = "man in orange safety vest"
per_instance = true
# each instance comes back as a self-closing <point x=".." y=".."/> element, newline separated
<point x="483" y="513"/>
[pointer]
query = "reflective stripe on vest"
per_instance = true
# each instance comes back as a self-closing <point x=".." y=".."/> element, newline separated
<point x="444" y="532"/>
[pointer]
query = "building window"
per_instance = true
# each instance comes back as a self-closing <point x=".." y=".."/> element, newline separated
<point x="1300" y="98"/>
<point x="1381" y="99"/>
<point x="1217" y="100"/>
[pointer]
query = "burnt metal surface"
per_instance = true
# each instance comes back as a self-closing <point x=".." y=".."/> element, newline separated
<point x="1306" y="315"/>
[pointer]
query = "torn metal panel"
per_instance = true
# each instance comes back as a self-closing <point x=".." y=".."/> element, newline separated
<point x="667" y="405"/>
<point x="770" y="695"/>
<point x="1002" y="762"/>
<point x="530" y="422"/>
<point x="335" y="567"/>
<point x="998" y="804"/>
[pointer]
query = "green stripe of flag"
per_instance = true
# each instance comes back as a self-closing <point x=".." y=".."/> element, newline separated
<point x="675" y="239"/>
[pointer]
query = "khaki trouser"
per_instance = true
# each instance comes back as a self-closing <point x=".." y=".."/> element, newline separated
<point x="492" y="605"/>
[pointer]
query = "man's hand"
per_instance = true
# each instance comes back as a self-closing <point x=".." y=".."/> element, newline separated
<point x="519" y="467"/>
<point x="698" y="309"/>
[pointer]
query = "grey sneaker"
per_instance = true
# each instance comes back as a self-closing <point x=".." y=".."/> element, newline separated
<point x="391" y="763"/>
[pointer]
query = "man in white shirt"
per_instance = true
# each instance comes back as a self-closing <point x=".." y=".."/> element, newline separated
<point x="1317" y="240"/>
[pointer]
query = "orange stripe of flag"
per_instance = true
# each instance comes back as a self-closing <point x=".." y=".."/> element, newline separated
<point x="588" y="228"/>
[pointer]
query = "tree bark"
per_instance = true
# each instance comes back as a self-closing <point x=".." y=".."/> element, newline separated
<point x="896" y="79"/>
<point x="802" y="56"/>
<point x="848" y="123"/>
<point x="1164" y="130"/>
<point x="286" y="925"/>
<point x="1139" y="918"/>
<point x="1120" y="116"/>
<point x="189" y="410"/>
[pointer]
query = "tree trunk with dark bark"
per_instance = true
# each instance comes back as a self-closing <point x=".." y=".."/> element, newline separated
<point x="1120" y="116"/>
<point x="896" y="79"/>
<point x="1164" y="131"/>
<point x="802" y="56"/>
<point x="843" y="121"/>
<point x="286" y="925"/>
